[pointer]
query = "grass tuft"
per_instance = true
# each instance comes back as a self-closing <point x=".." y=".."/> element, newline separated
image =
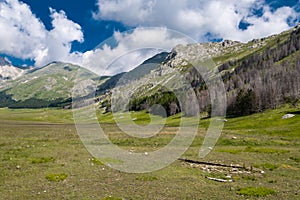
<point x="42" y="160"/>
<point x="269" y="166"/>
<point x="255" y="191"/>
<point x="56" y="177"/>
<point x="146" y="178"/>
<point x="95" y="161"/>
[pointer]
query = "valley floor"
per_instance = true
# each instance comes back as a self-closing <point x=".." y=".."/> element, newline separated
<point x="42" y="157"/>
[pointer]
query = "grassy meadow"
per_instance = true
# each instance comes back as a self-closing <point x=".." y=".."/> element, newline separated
<point x="42" y="157"/>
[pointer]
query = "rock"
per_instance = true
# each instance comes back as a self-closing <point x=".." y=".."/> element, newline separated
<point x="183" y="55"/>
<point x="229" y="43"/>
<point x="287" y="116"/>
<point x="218" y="179"/>
<point x="228" y="176"/>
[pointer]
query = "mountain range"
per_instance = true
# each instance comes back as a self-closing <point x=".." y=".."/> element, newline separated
<point x="261" y="74"/>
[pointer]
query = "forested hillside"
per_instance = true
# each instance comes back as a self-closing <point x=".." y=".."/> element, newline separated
<point x="255" y="80"/>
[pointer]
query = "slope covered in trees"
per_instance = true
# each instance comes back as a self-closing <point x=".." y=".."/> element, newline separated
<point x="265" y="78"/>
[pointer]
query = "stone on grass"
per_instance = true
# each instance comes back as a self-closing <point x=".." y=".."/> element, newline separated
<point x="288" y="116"/>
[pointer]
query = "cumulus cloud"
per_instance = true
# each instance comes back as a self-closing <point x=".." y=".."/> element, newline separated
<point x="132" y="48"/>
<point x="197" y="18"/>
<point x="24" y="36"/>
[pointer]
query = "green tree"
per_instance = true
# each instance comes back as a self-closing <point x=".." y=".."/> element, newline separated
<point x="245" y="102"/>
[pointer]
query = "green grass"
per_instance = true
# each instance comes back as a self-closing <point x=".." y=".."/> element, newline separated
<point x="96" y="161"/>
<point x="44" y="142"/>
<point x="265" y="150"/>
<point x="268" y="166"/>
<point x="111" y="198"/>
<point x="232" y="151"/>
<point x="42" y="160"/>
<point x="255" y="191"/>
<point x="45" y="115"/>
<point x="266" y="123"/>
<point x="146" y="178"/>
<point x="56" y="177"/>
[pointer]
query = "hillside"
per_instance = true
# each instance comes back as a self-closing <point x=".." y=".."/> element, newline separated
<point x="260" y="74"/>
<point x="49" y="86"/>
<point x="52" y="85"/>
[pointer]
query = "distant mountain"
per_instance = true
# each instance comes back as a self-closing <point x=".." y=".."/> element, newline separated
<point x="8" y="71"/>
<point x="51" y="85"/>
<point x="143" y="69"/>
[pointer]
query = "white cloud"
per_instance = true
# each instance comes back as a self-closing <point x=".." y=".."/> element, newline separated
<point x="24" y="36"/>
<point x="20" y="29"/>
<point x="196" y="18"/>
<point x="27" y="38"/>
<point x="137" y="45"/>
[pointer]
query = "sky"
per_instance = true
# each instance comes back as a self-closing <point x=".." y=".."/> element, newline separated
<point x="35" y="32"/>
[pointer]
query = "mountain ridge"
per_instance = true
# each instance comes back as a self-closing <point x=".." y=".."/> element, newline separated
<point x="250" y="87"/>
<point x="233" y="60"/>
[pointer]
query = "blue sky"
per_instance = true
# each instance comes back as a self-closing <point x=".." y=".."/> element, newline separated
<point x="95" y="31"/>
<point x="38" y="32"/>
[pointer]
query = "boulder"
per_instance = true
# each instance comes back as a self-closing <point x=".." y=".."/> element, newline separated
<point x="288" y="116"/>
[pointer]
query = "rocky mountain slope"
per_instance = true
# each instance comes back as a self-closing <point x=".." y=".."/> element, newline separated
<point x="261" y="74"/>
<point x="8" y="71"/>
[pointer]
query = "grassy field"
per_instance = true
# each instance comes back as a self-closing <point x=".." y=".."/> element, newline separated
<point x="42" y="157"/>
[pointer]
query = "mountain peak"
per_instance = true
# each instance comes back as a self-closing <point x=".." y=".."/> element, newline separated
<point x="4" y="62"/>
